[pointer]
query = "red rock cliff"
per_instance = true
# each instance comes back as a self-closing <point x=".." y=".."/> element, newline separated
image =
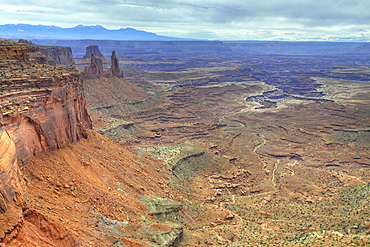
<point x="51" y="114"/>
<point x="42" y="108"/>
<point x="12" y="200"/>
<point x="61" y="56"/>
<point x="52" y="55"/>
<point x="14" y="52"/>
<point x="70" y="202"/>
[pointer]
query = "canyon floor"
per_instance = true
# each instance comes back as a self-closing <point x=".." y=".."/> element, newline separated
<point x="260" y="150"/>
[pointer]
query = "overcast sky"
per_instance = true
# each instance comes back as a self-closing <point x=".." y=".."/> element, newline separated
<point x="204" y="19"/>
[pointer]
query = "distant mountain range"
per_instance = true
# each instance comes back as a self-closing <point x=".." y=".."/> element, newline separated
<point x="27" y="31"/>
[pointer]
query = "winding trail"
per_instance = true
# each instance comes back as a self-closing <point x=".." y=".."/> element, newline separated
<point x="240" y="220"/>
<point x="233" y="201"/>
<point x="276" y="165"/>
<point x="260" y="145"/>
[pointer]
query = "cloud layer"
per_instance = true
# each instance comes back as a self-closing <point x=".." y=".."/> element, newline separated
<point x="209" y="19"/>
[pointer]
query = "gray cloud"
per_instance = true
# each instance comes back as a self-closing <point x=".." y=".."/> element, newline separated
<point x="215" y="18"/>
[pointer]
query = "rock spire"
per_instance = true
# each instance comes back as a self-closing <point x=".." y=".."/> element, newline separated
<point x="95" y="69"/>
<point x="114" y="66"/>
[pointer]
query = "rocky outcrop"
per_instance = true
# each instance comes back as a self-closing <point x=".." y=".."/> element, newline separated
<point x="24" y="41"/>
<point x="43" y="107"/>
<point x="114" y="66"/>
<point x="169" y="238"/>
<point x="166" y="211"/>
<point x="37" y="229"/>
<point x="10" y="171"/>
<point x="95" y="69"/>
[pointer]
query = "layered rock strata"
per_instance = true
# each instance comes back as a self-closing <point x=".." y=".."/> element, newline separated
<point x="14" y="52"/>
<point x="93" y="50"/>
<point x="55" y="115"/>
<point x="42" y="109"/>
<point x="60" y="56"/>
<point x="52" y="55"/>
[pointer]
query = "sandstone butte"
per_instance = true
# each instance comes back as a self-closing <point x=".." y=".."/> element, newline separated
<point x="92" y="50"/>
<point x="62" y="183"/>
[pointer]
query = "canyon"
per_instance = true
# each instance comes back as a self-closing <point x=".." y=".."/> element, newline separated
<point x="209" y="148"/>
<point x="46" y="165"/>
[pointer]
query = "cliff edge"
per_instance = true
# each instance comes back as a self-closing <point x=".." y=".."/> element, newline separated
<point x="42" y="109"/>
<point x="51" y="55"/>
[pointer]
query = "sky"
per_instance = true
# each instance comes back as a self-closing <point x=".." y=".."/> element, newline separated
<point x="321" y="20"/>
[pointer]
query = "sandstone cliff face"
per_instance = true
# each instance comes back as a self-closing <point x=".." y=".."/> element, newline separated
<point x="14" y="52"/>
<point x="55" y="118"/>
<point x="85" y="194"/>
<point x="93" y="50"/>
<point x="60" y="56"/>
<point x="42" y="108"/>
<point x="27" y="52"/>
<point x="10" y="175"/>
<point x="12" y="199"/>
<point x="52" y="55"/>
<point x="33" y="52"/>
